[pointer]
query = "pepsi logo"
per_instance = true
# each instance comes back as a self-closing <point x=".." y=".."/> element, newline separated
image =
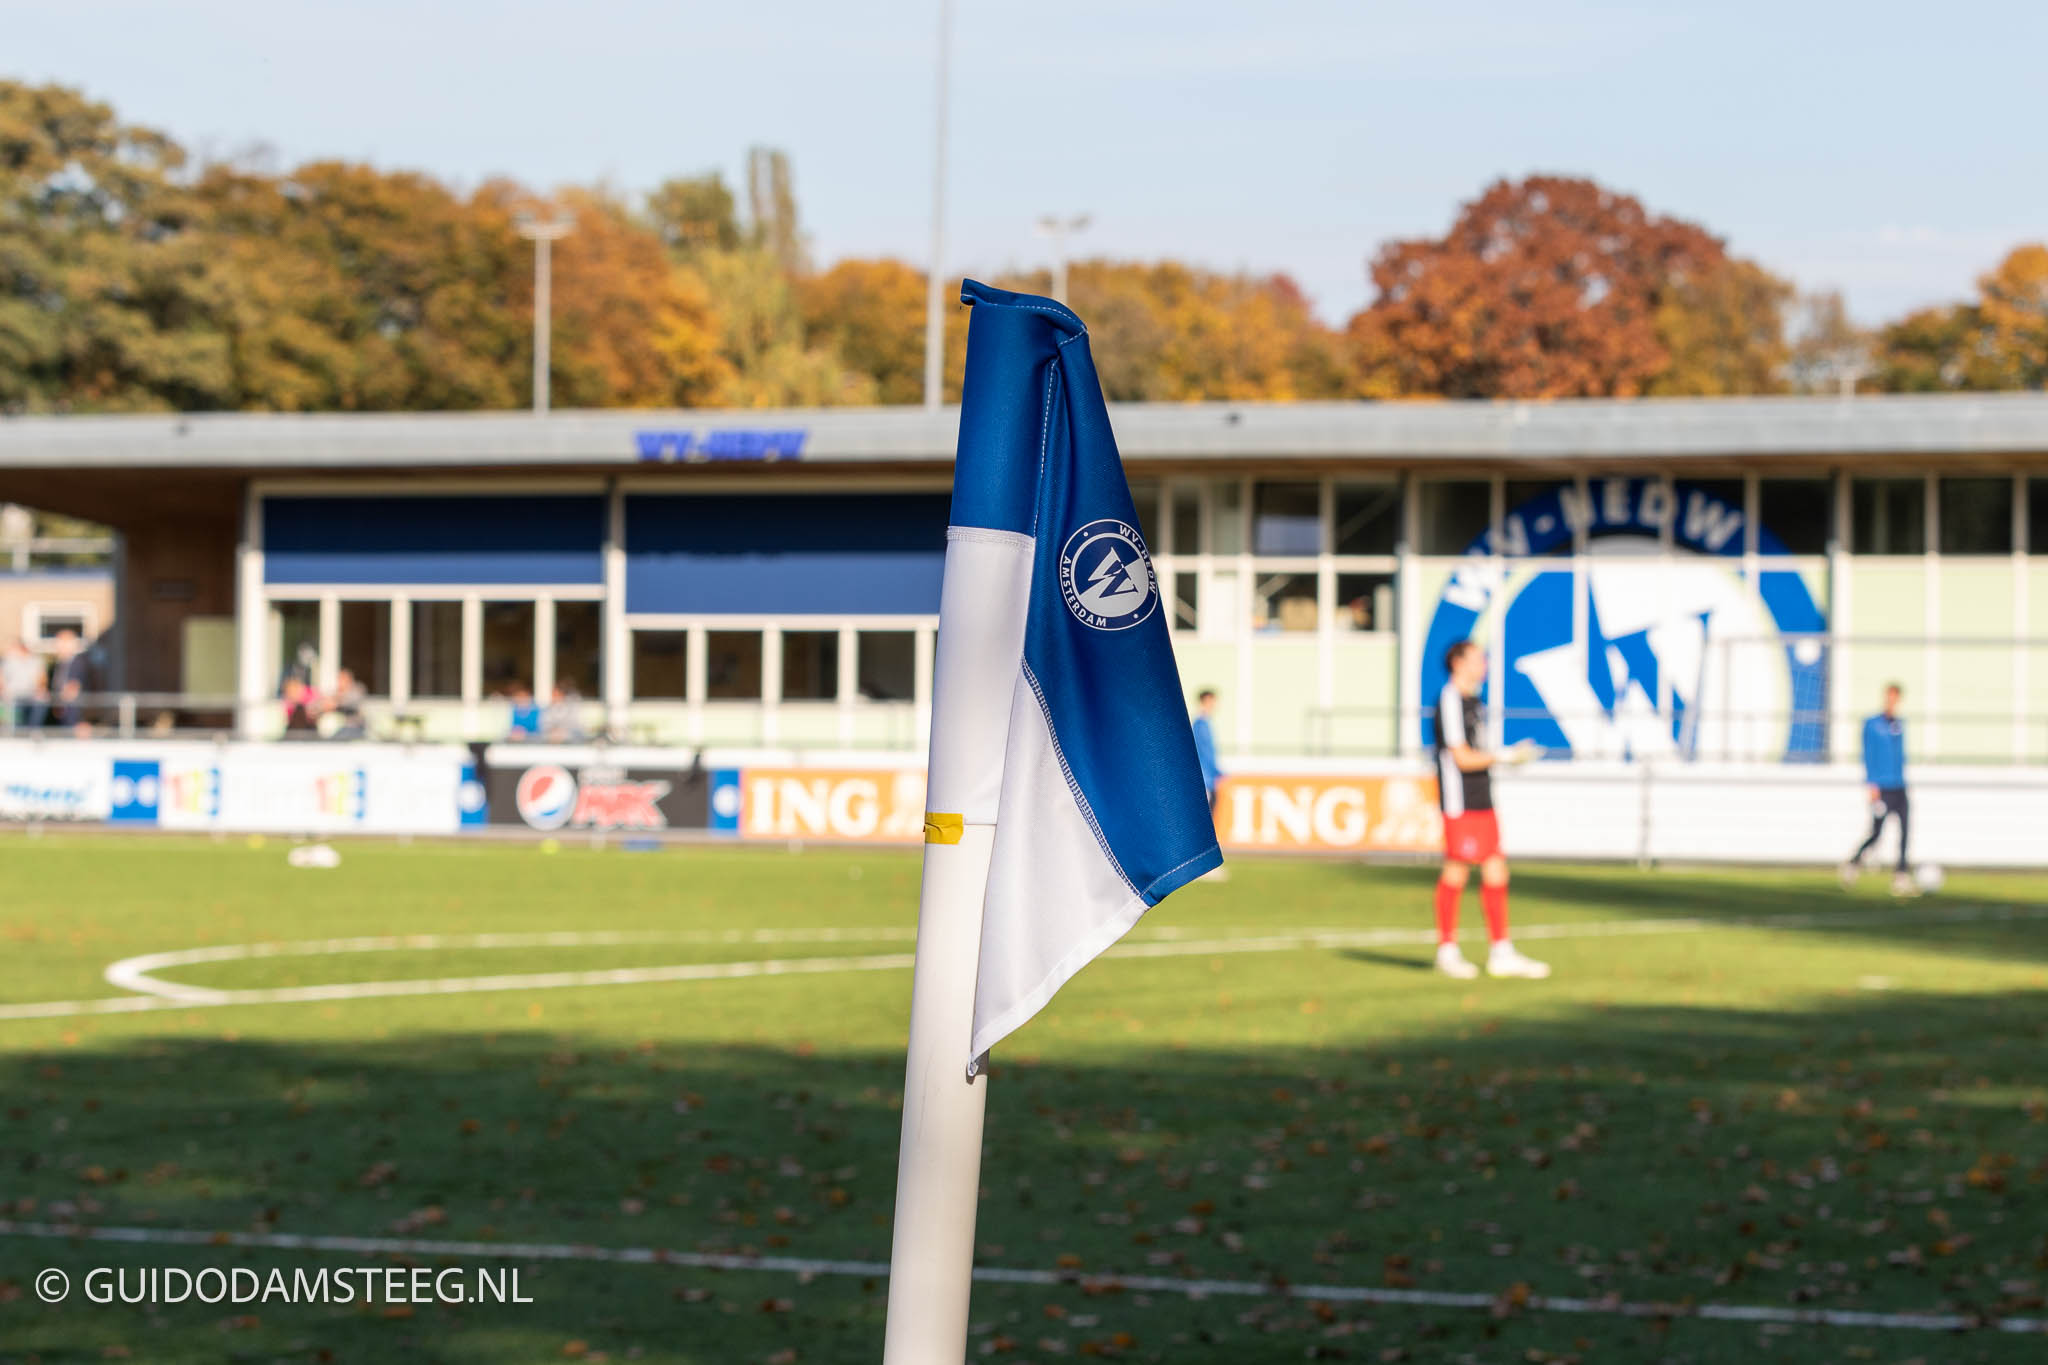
<point x="546" y="796"/>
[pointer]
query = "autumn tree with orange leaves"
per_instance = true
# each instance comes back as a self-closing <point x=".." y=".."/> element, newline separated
<point x="1554" y="288"/>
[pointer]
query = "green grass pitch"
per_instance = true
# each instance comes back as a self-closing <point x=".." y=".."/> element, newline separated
<point x="1794" y="1098"/>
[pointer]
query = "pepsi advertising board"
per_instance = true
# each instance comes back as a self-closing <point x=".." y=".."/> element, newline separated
<point x="598" y="798"/>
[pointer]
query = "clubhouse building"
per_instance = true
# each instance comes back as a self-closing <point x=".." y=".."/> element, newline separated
<point x="1699" y="578"/>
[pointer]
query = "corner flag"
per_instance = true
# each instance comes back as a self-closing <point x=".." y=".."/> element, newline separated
<point x="1064" y="798"/>
<point x="1092" y="784"/>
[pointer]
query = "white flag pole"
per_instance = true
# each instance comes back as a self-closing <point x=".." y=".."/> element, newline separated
<point x="982" y="607"/>
<point x="938" y="1169"/>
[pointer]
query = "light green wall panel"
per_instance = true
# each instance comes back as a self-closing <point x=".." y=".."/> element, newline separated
<point x="1283" y="693"/>
<point x="1366" y="669"/>
<point x="2037" y="597"/>
<point x="1210" y="665"/>
<point x="807" y="724"/>
<point x="732" y="723"/>
<point x="1974" y="597"/>
<point x="1886" y="597"/>
<point x="657" y="723"/>
<point x="1974" y="691"/>
<point x="886" y="727"/>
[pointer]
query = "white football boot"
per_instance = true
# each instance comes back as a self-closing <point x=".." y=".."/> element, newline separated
<point x="1452" y="963"/>
<point x="1504" y="960"/>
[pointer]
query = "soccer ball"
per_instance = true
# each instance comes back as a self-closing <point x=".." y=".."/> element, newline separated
<point x="1928" y="875"/>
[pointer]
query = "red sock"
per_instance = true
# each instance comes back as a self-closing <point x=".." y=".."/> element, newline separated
<point x="1494" y="900"/>
<point x="1447" y="912"/>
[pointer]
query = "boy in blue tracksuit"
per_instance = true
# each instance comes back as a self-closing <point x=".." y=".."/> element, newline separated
<point x="1884" y="778"/>
<point x="1205" y="753"/>
<point x="1205" y="742"/>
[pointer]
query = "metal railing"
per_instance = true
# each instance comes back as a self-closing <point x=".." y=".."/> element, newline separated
<point x="886" y="726"/>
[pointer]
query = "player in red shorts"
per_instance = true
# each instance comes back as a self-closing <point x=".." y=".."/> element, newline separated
<point x="1464" y="785"/>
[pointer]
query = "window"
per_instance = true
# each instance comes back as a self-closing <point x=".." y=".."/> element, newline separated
<point x="1222" y="605"/>
<point x="732" y="665"/>
<point x="43" y="622"/>
<point x="661" y="664"/>
<point x="1187" y="520"/>
<point x="437" y="649"/>
<point x="1799" y="512"/>
<point x="1454" y="515"/>
<point x="1365" y="601"/>
<point x="1284" y="601"/>
<point x="297" y="626"/>
<point x="810" y="665"/>
<point x="1888" y="516"/>
<point x="579" y="647"/>
<point x="1186" y="592"/>
<point x="366" y="645"/>
<point x="1730" y="491"/>
<point x="1146" y="496"/>
<point x="2037" y="516"/>
<point x="508" y="646"/>
<point x="1976" y="516"/>
<point x="1226" y="518"/>
<point x="1368" y="518"/>
<point x="1287" y="519"/>
<point x="888" y="664"/>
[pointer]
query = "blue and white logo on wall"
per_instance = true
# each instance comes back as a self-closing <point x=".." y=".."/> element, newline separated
<point x="725" y="800"/>
<point x="135" y="792"/>
<point x="1658" y="656"/>
<point x="1106" y="576"/>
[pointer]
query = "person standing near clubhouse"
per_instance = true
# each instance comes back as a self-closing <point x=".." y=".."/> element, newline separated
<point x="1205" y="754"/>
<point x="1884" y="780"/>
<point x="1464" y="784"/>
<point x="1205" y="743"/>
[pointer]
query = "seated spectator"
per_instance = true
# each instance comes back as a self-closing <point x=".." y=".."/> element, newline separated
<point x="563" y="721"/>
<point x="37" y="712"/>
<point x="347" y="705"/>
<point x="67" y="712"/>
<point x="526" y="721"/>
<point x="301" y="710"/>
<point x="21" y="677"/>
<point x="67" y="684"/>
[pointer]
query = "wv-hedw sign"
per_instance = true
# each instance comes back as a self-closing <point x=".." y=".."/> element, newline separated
<point x="1640" y="654"/>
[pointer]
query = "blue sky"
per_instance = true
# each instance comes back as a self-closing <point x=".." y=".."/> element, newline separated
<point x="1893" y="151"/>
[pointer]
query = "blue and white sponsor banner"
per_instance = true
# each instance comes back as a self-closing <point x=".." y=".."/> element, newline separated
<point x="1640" y="654"/>
<point x="56" y="782"/>
<point x="257" y="788"/>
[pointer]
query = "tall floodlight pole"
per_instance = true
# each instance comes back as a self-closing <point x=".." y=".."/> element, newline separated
<point x="543" y="235"/>
<point x="935" y="279"/>
<point x="1059" y="229"/>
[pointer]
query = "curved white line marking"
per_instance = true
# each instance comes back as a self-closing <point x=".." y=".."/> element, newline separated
<point x="135" y="973"/>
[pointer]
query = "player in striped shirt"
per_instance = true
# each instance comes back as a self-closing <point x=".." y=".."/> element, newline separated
<point x="1464" y="784"/>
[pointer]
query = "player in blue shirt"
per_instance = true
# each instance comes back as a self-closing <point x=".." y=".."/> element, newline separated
<point x="1884" y="778"/>
<point x="1205" y="754"/>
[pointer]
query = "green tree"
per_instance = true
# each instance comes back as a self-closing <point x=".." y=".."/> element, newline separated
<point x="102" y="294"/>
<point x="2013" y="306"/>
<point x="694" y="213"/>
<point x="1723" y="330"/>
<point x="1998" y="342"/>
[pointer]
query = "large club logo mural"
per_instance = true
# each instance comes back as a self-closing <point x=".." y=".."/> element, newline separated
<point x="1653" y="656"/>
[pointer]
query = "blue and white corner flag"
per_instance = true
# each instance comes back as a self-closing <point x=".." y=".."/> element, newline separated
<point x="1089" y="777"/>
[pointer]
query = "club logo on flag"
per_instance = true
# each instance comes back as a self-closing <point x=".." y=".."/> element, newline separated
<point x="1106" y="576"/>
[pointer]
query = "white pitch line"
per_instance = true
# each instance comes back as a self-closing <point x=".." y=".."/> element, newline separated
<point x="159" y="994"/>
<point x="1143" y="1284"/>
